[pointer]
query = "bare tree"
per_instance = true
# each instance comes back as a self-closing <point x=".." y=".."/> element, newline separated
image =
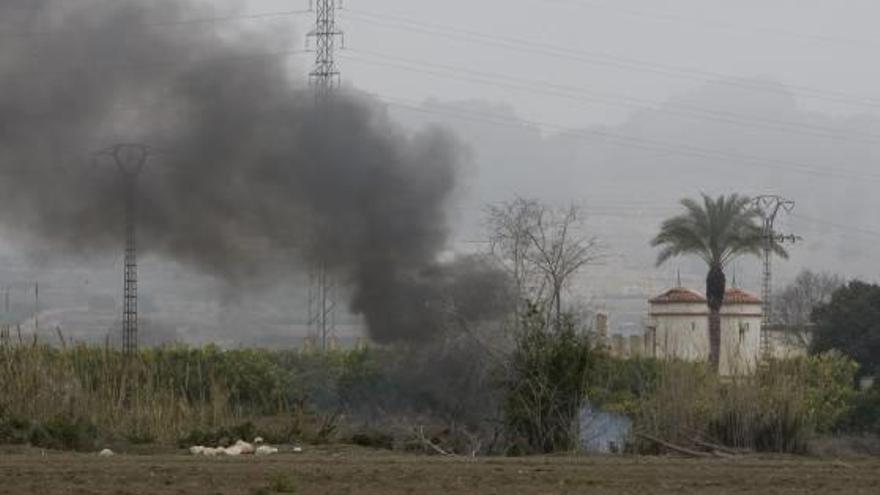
<point x="794" y="304"/>
<point x="559" y="251"/>
<point x="509" y="226"/>
<point x="542" y="248"/>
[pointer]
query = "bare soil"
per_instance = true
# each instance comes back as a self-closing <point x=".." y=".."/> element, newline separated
<point x="355" y="471"/>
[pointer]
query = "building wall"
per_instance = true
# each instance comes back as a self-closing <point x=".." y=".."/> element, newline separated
<point x="740" y="339"/>
<point x="681" y="331"/>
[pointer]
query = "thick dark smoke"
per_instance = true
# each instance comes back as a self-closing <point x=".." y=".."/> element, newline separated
<point x="256" y="177"/>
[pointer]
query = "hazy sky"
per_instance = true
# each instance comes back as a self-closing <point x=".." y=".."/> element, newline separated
<point x="623" y="57"/>
<point x="646" y="49"/>
<point x="790" y="83"/>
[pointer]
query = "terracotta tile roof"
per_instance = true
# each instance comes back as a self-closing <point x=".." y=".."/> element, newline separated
<point x="739" y="296"/>
<point x="679" y="295"/>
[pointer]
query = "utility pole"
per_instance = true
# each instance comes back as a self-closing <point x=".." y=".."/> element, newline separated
<point x="324" y="77"/>
<point x="769" y="207"/>
<point x="130" y="160"/>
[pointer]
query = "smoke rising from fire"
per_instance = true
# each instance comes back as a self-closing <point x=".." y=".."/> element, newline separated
<point x="256" y="177"/>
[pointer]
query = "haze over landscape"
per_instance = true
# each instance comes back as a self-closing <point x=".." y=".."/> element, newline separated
<point x="557" y="100"/>
<point x="411" y="246"/>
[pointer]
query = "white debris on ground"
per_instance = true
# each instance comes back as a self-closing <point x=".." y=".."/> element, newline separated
<point x="240" y="448"/>
<point x="246" y="448"/>
<point x="266" y="450"/>
<point x="106" y="453"/>
<point x="298" y="450"/>
<point x="211" y="452"/>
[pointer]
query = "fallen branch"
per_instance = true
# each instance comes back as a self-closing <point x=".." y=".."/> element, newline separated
<point x="420" y="433"/>
<point x="714" y="447"/>
<point x="673" y="447"/>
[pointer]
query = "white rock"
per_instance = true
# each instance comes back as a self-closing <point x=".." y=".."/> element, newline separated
<point x="106" y="453"/>
<point x="234" y="451"/>
<point x="266" y="450"/>
<point x="196" y="450"/>
<point x="298" y="450"/>
<point x="211" y="452"/>
<point x="258" y="440"/>
<point x="246" y="448"/>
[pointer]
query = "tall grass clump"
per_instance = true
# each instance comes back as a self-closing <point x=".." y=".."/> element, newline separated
<point x="159" y="395"/>
<point x="778" y="408"/>
<point x="138" y="399"/>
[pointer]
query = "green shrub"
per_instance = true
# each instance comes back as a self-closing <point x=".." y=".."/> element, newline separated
<point x="778" y="409"/>
<point x="545" y="386"/>
<point x="864" y="414"/>
<point x="14" y="431"/>
<point x="617" y="385"/>
<point x="65" y="433"/>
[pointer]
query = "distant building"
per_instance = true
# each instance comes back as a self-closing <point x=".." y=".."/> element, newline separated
<point x="678" y="328"/>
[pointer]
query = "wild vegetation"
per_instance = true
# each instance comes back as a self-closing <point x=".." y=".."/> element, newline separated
<point x="517" y="383"/>
<point x="451" y="401"/>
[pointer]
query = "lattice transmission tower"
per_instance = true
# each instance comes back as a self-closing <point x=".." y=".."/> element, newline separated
<point x="769" y="207"/>
<point x="325" y="75"/>
<point x="130" y="160"/>
<point x="325" y="78"/>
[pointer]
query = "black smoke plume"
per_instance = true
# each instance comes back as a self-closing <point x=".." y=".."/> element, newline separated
<point x="255" y="177"/>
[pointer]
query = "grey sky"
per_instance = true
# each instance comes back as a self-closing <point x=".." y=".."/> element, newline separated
<point x="796" y="76"/>
<point x="818" y="44"/>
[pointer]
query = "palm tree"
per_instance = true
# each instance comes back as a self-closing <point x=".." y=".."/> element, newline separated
<point x="718" y="231"/>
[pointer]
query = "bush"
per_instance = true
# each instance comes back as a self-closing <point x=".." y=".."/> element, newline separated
<point x="14" y="431"/>
<point x="545" y="386"/>
<point x="65" y="433"/>
<point x="617" y="385"/>
<point x="864" y="414"/>
<point x="373" y="439"/>
<point x="778" y="409"/>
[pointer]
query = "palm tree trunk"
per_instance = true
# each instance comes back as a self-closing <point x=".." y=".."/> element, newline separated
<point x="715" y="339"/>
<point x="716" y="286"/>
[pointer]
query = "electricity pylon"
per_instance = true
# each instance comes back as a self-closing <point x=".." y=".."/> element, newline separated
<point x="325" y="74"/>
<point x="324" y="78"/>
<point x="769" y="207"/>
<point x="130" y="160"/>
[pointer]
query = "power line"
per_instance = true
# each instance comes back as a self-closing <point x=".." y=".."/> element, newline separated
<point x="575" y="93"/>
<point x="618" y="140"/>
<point x="634" y="142"/>
<point x="838" y="226"/>
<point x="604" y="59"/>
<point x="623" y="140"/>
<point x="711" y="24"/>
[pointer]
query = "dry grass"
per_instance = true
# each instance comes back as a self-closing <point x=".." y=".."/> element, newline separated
<point x="121" y="398"/>
<point x="778" y="408"/>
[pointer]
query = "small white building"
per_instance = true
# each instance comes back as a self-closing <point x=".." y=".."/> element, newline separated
<point x="678" y="328"/>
